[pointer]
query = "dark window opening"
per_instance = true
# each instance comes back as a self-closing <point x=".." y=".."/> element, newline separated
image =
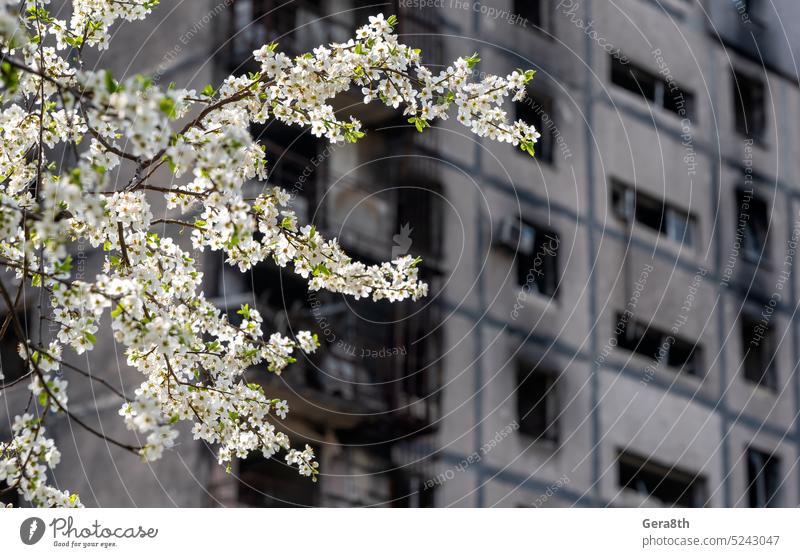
<point x="750" y="105"/>
<point x="532" y="11"/>
<point x="753" y="226"/>
<point x="270" y="482"/>
<point x="537" y="403"/>
<point x="763" y="479"/>
<point x="538" y="111"/>
<point x="758" y="351"/>
<point x="418" y="222"/>
<point x="650" y="342"/>
<point x="630" y="205"/>
<point x="8" y="496"/>
<point x="537" y="260"/>
<point x="654" y="89"/>
<point x="668" y="484"/>
<point x="12" y="365"/>
<point x="409" y="490"/>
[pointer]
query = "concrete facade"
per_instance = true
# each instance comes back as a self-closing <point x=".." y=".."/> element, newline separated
<point x="456" y="440"/>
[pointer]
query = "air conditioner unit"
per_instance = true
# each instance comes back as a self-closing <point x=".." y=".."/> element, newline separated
<point x="516" y="236"/>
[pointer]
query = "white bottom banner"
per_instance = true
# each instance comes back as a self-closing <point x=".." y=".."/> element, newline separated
<point x="400" y="532"/>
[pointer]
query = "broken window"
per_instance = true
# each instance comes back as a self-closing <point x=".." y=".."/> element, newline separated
<point x="668" y="484"/>
<point x="410" y="491"/>
<point x="758" y="351"/>
<point x="753" y="226"/>
<point x="271" y="482"/>
<point x="8" y="496"/>
<point x="11" y="364"/>
<point x="537" y="260"/>
<point x="630" y="205"/>
<point x="659" y="345"/>
<point x="763" y="479"/>
<point x="538" y="110"/>
<point x="533" y="11"/>
<point x="750" y="105"/>
<point x="537" y="403"/>
<point x="664" y="93"/>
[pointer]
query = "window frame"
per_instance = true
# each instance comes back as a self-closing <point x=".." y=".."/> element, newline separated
<point x="626" y="201"/>
<point x="691" y="366"/>
<point x="660" y="93"/>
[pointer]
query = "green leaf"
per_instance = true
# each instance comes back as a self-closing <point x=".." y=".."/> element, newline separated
<point x="392" y="20"/>
<point x="9" y="76"/>
<point x="419" y="123"/>
<point x="90" y="337"/>
<point x="321" y="269"/>
<point x="528" y="147"/>
<point x="244" y="311"/>
<point x="117" y="311"/>
<point x="167" y="106"/>
<point x="111" y="85"/>
<point x="472" y="61"/>
<point x="208" y="91"/>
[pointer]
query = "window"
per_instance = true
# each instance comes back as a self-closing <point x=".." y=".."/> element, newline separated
<point x="537" y="404"/>
<point x="631" y="205"/>
<point x="758" y="351"/>
<point x="650" y="342"/>
<point x="12" y="366"/>
<point x="8" y="496"/>
<point x="418" y="221"/>
<point x="537" y="260"/>
<point x="270" y="482"/>
<point x="533" y="11"/>
<point x="538" y="111"/>
<point x="763" y="479"/>
<point x="666" y="94"/>
<point x="752" y="226"/>
<point x="749" y="105"/>
<point x="409" y="490"/>
<point x="668" y="484"/>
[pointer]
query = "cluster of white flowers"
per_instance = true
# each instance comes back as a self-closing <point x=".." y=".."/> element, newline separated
<point x="25" y="461"/>
<point x="192" y="357"/>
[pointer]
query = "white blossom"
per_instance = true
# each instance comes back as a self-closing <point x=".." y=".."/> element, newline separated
<point x="192" y="359"/>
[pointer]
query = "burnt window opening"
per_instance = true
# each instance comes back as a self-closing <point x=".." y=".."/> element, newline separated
<point x="679" y="353"/>
<point x="753" y="226"/>
<point x="630" y="205"/>
<point x="538" y="111"/>
<point x="409" y="490"/>
<point x="763" y="479"/>
<point x="758" y="351"/>
<point x="537" y="403"/>
<point x="668" y="484"/>
<point x="534" y="13"/>
<point x="537" y="260"/>
<point x="12" y="365"/>
<point x="420" y="351"/>
<point x="259" y="22"/>
<point x="8" y="496"/>
<point x="666" y="94"/>
<point x="418" y="222"/>
<point x="749" y="105"/>
<point x="270" y="482"/>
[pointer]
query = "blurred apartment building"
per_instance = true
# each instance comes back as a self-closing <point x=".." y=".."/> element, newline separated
<point x="610" y="323"/>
